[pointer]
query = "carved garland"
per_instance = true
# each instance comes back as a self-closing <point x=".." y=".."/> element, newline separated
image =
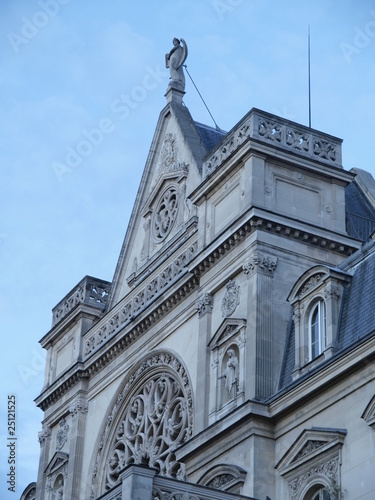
<point x="157" y="418"/>
<point x="329" y="469"/>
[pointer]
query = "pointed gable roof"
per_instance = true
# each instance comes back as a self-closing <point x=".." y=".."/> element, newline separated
<point x="195" y="140"/>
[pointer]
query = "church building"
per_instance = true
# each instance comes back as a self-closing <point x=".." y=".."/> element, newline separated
<point x="233" y="354"/>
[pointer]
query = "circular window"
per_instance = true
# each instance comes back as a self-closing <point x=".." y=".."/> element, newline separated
<point x="165" y="214"/>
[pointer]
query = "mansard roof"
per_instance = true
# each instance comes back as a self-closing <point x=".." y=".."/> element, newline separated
<point x="359" y="205"/>
<point x="357" y="313"/>
<point x="209" y="135"/>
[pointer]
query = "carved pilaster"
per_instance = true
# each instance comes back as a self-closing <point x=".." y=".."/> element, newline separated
<point x="259" y="269"/>
<point x="78" y="411"/>
<point x="44" y="437"/>
<point x="204" y="304"/>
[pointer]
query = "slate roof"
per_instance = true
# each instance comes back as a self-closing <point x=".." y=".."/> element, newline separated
<point x="360" y="214"/>
<point x="210" y="136"/>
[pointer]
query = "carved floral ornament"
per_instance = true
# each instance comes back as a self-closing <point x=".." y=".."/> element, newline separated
<point x="152" y="416"/>
<point x="62" y="434"/>
<point x="259" y="262"/>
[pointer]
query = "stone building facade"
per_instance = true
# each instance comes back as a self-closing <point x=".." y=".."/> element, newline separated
<point x="232" y="355"/>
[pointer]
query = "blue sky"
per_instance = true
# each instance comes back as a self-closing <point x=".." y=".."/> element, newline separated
<point x="67" y="68"/>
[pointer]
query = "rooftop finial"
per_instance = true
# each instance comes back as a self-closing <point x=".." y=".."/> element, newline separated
<point x="174" y="61"/>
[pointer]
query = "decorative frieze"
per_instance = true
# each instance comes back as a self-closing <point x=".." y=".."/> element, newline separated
<point x="154" y="288"/>
<point x="231" y="299"/>
<point x="204" y="304"/>
<point x="259" y="262"/>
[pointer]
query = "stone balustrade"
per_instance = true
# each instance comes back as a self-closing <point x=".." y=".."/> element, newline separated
<point x="90" y="291"/>
<point x="278" y="132"/>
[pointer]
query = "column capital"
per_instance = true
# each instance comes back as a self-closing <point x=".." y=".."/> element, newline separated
<point x="44" y="435"/>
<point x="259" y="262"/>
<point x="80" y="405"/>
<point x="204" y="304"/>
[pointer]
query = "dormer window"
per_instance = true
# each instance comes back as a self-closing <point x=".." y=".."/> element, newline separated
<point x="316" y="301"/>
<point x="317" y="330"/>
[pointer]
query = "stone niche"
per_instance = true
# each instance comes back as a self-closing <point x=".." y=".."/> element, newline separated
<point x="227" y="371"/>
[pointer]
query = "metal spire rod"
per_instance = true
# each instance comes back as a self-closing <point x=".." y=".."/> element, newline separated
<point x="308" y="53"/>
<point x="200" y="95"/>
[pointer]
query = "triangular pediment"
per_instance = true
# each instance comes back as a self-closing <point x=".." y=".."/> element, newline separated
<point x="369" y="413"/>
<point x="310" y="444"/>
<point x="227" y="330"/>
<point x="58" y="460"/>
<point x="162" y="211"/>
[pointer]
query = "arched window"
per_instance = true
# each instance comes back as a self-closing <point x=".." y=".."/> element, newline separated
<point x="317" y="330"/>
<point x="321" y="494"/>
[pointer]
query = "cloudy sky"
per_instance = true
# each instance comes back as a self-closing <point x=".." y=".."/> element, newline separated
<point x="74" y="71"/>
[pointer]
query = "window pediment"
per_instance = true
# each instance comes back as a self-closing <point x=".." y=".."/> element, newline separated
<point x="228" y="329"/>
<point x="369" y="413"/>
<point x="309" y="447"/>
<point x="58" y="460"/>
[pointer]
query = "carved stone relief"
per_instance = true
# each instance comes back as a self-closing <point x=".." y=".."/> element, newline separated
<point x="151" y="419"/>
<point x="165" y="214"/>
<point x="329" y="469"/>
<point x="204" y="304"/>
<point x="62" y="434"/>
<point x="231" y="299"/>
<point x="259" y="262"/>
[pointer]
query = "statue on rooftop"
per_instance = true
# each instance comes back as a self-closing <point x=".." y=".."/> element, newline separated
<point x="174" y="61"/>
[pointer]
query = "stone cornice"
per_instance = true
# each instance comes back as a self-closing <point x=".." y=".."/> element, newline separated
<point x="125" y="337"/>
<point x="257" y="219"/>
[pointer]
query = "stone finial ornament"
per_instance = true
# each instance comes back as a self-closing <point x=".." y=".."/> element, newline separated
<point x="174" y="60"/>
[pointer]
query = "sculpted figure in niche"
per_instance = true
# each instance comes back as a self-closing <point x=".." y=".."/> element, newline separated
<point x="230" y="374"/>
<point x="174" y="61"/>
<point x="58" y="495"/>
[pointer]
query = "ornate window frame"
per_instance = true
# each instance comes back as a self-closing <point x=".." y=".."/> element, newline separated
<point x="225" y="477"/>
<point x="313" y="462"/>
<point x="227" y="374"/>
<point x="369" y="413"/>
<point x="324" y="285"/>
<point x="56" y="474"/>
<point x="123" y="412"/>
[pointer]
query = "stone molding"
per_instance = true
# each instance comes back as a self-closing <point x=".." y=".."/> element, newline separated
<point x="131" y="308"/>
<point x="369" y="413"/>
<point x="259" y="262"/>
<point x="204" y="304"/>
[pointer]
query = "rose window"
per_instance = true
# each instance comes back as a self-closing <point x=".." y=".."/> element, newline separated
<point x="165" y="214"/>
<point x="154" y="424"/>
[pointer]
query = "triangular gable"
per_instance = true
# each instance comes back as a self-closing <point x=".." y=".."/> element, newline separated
<point x="228" y="328"/>
<point x="311" y="444"/>
<point x="58" y="460"/>
<point x="177" y="150"/>
<point x="369" y="413"/>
